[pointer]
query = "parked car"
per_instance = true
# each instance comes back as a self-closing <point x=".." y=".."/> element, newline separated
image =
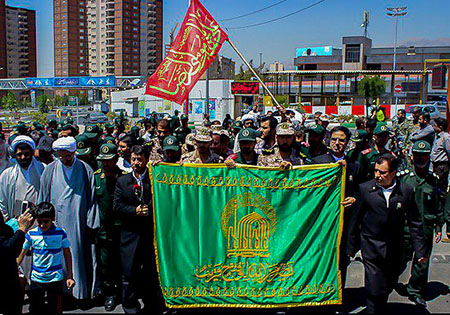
<point x="436" y="109"/>
<point x="96" y="118"/>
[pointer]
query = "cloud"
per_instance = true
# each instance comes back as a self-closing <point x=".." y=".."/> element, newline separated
<point x="419" y="41"/>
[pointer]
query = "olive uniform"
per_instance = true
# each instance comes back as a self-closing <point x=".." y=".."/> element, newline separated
<point x="181" y="133"/>
<point x="157" y="153"/>
<point x="202" y="134"/>
<point x="430" y="202"/>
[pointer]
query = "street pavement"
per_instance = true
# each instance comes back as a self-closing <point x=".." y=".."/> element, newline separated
<point x="438" y="293"/>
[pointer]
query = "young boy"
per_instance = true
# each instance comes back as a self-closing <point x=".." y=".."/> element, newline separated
<point x="48" y="245"/>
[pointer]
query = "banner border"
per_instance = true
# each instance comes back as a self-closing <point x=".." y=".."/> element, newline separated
<point x="259" y="306"/>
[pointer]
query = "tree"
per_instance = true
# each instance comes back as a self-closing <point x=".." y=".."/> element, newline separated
<point x="246" y="75"/>
<point x="4" y="102"/>
<point x="11" y="101"/>
<point x="371" y="88"/>
<point x="43" y="103"/>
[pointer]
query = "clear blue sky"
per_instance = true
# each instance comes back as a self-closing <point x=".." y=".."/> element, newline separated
<point x="426" y="23"/>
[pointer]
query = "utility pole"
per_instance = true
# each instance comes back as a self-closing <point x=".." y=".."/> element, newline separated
<point x="260" y="60"/>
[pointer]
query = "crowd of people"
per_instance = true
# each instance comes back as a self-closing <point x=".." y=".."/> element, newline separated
<point x="77" y="214"/>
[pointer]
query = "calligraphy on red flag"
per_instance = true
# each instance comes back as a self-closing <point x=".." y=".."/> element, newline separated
<point x="196" y="45"/>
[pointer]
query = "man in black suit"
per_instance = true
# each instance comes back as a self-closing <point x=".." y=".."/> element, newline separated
<point x="339" y="138"/>
<point x="377" y="224"/>
<point x="132" y="202"/>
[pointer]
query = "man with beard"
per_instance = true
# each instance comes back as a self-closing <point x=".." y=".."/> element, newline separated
<point x="440" y="156"/>
<point x="162" y="131"/>
<point x="148" y="132"/>
<point x="124" y="149"/>
<point x="430" y="201"/>
<point x="247" y="155"/>
<point x="68" y="184"/>
<point x="108" y="236"/>
<point x="21" y="182"/>
<point x="172" y="150"/>
<point x="268" y="129"/>
<point x="315" y="146"/>
<point x="425" y="132"/>
<point x="284" y="155"/>
<point x="368" y="158"/>
<point x="339" y="138"/>
<point x="236" y="127"/>
<point x="132" y="203"/>
<point x="202" y="154"/>
<point x="220" y="144"/>
<point x="385" y="205"/>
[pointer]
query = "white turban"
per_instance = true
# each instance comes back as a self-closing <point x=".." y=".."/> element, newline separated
<point x="65" y="143"/>
<point x="23" y="139"/>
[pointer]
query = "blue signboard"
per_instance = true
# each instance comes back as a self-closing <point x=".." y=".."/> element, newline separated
<point x="71" y="82"/>
<point x="314" y="51"/>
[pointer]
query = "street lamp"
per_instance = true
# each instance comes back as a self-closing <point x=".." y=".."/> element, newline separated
<point x="396" y="12"/>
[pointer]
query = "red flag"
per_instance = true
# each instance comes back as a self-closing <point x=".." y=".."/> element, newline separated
<point x="197" y="44"/>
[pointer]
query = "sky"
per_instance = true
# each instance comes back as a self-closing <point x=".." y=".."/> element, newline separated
<point x="426" y="24"/>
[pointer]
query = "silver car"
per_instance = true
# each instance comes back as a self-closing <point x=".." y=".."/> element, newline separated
<point x="436" y="109"/>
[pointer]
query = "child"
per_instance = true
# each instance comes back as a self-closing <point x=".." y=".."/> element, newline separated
<point x="48" y="244"/>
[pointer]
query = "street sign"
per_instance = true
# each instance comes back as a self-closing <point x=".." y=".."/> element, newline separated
<point x="398" y="89"/>
<point x="58" y="113"/>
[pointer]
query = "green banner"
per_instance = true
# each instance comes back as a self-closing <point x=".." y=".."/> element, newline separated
<point x="248" y="237"/>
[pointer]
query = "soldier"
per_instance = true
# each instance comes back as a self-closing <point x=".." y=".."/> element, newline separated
<point x="430" y="201"/>
<point x="247" y="155"/>
<point x="361" y="143"/>
<point x="182" y="131"/>
<point x="402" y="128"/>
<point x="172" y="150"/>
<point x="440" y="156"/>
<point x="236" y="127"/>
<point x="221" y="142"/>
<point x="162" y="131"/>
<point x="108" y="235"/>
<point x="202" y="154"/>
<point x="315" y="146"/>
<point x="425" y="132"/>
<point x="189" y="144"/>
<point x="284" y="155"/>
<point x="268" y="128"/>
<point x="175" y="121"/>
<point x="93" y="133"/>
<point x="367" y="158"/>
<point x="84" y="151"/>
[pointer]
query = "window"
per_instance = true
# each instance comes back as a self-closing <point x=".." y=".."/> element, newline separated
<point x="352" y="53"/>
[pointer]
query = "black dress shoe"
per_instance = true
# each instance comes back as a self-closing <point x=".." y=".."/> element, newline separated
<point x="419" y="301"/>
<point x="110" y="303"/>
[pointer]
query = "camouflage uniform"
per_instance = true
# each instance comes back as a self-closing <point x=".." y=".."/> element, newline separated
<point x="194" y="157"/>
<point x="157" y="153"/>
<point x="273" y="158"/>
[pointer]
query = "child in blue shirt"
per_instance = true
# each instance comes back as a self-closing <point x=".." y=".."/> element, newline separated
<point x="49" y="246"/>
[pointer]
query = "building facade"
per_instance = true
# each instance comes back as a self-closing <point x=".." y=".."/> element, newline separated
<point x="111" y="37"/>
<point x="357" y="53"/>
<point x="222" y="68"/>
<point x="17" y="42"/>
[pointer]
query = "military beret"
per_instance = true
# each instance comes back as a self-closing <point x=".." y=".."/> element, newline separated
<point x="421" y="146"/>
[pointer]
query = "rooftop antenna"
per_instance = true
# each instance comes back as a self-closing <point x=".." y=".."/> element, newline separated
<point x="365" y="23"/>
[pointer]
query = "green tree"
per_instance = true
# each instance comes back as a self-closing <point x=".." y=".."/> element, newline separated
<point x="371" y="88"/>
<point x="4" y="102"/>
<point x="11" y="101"/>
<point x="43" y="103"/>
<point x="246" y="75"/>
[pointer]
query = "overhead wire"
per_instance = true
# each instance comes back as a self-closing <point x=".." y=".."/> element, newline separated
<point x="279" y="18"/>
<point x="254" y="12"/>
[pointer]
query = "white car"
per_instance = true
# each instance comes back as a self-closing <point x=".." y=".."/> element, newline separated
<point x="436" y="109"/>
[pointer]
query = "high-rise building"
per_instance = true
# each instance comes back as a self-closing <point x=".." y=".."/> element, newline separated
<point x="21" y="42"/>
<point x="17" y="42"/>
<point x="107" y="37"/>
<point x="70" y="37"/>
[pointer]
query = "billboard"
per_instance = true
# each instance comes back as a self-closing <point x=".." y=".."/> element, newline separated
<point x="438" y="77"/>
<point x="245" y="87"/>
<point x="71" y="82"/>
<point x="314" y="51"/>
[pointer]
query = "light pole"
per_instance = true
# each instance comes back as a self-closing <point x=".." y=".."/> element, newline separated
<point x="396" y="12"/>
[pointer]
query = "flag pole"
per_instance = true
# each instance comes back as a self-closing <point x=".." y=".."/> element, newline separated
<point x="256" y="75"/>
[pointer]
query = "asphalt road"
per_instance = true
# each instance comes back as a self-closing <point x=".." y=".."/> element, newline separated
<point x="438" y="293"/>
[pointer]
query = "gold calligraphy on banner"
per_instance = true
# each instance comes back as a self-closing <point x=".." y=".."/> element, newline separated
<point x="247" y="292"/>
<point x="246" y="272"/>
<point x="247" y="182"/>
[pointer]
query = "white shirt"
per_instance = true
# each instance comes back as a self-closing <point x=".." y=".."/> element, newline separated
<point x="387" y="192"/>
